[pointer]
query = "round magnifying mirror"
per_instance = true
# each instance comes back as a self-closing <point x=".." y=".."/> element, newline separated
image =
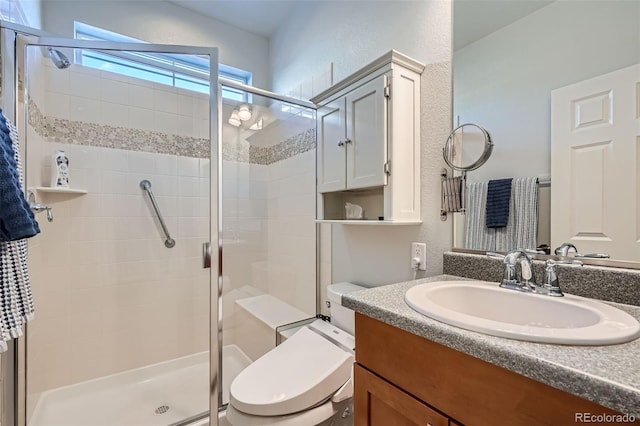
<point x="468" y="147"/>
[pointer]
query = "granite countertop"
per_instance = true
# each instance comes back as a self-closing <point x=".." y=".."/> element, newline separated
<point x="606" y="375"/>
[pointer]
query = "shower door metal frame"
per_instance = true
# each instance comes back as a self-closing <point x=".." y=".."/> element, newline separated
<point x="25" y="37"/>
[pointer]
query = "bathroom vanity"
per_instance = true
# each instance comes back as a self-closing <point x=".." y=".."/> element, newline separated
<point x="411" y="369"/>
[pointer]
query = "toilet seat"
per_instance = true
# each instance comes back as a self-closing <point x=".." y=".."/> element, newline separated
<point x="298" y="374"/>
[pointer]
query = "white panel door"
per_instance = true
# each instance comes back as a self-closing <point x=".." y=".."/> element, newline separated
<point x="595" y="138"/>
<point x="367" y="135"/>
<point x="331" y="147"/>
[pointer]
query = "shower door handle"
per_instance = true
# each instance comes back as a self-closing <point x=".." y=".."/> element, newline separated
<point x="206" y="255"/>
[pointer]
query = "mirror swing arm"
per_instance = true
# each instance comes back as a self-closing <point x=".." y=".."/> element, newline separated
<point x="453" y="188"/>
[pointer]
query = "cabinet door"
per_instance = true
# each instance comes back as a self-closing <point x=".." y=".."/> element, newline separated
<point x="379" y="403"/>
<point x="367" y="135"/>
<point x="331" y="147"/>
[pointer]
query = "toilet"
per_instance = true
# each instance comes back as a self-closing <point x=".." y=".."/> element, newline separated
<point x="306" y="380"/>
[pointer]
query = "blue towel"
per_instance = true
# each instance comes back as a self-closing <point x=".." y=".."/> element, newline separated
<point x="498" y="198"/>
<point x="16" y="218"/>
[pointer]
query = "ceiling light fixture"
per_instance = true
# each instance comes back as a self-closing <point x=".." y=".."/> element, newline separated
<point x="244" y="112"/>
<point x="234" y="120"/>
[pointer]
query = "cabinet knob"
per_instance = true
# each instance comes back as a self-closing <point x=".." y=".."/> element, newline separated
<point x="340" y="143"/>
<point x="347" y="140"/>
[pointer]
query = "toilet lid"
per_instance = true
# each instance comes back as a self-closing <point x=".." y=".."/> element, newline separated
<point x="296" y="375"/>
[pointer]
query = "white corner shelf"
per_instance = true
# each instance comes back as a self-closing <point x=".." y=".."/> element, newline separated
<point x="50" y="189"/>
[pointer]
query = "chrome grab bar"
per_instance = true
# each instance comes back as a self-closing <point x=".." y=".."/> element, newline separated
<point x="145" y="185"/>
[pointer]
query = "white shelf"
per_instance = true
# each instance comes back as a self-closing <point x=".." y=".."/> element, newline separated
<point x="367" y="222"/>
<point x="51" y="189"/>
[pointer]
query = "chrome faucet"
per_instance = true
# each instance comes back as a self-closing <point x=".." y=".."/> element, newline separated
<point x="564" y="248"/>
<point x="527" y="280"/>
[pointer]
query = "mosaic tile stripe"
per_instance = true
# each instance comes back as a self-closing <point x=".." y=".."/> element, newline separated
<point x="74" y="132"/>
<point x="59" y="130"/>
<point x="295" y="145"/>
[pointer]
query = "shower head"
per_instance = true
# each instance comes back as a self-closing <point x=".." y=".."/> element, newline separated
<point x="59" y="59"/>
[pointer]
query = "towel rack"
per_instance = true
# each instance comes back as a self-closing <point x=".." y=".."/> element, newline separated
<point x="146" y="186"/>
<point x="453" y="187"/>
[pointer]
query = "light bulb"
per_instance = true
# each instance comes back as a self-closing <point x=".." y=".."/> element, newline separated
<point x="234" y="120"/>
<point x="244" y="112"/>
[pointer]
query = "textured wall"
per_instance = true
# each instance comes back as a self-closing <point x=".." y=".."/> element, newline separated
<point x="340" y="32"/>
<point x="566" y="42"/>
<point x="163" y="22"/>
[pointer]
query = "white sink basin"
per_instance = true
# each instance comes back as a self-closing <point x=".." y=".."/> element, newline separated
<point x="486" y="308"/>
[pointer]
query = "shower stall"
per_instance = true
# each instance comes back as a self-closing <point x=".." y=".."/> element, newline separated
<point x="184" y="243"/>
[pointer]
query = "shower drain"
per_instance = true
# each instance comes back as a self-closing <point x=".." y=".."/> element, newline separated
<point x="162" y="409"/>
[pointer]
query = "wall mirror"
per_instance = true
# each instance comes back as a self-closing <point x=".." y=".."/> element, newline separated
<point x="508" y="57"/>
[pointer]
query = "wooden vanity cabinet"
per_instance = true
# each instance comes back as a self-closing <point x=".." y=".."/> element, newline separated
<point x="404" y="379"/>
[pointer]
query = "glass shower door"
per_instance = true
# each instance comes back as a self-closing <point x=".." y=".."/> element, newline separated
<point x="122" y="333"/>
<point x="268" y="224"/>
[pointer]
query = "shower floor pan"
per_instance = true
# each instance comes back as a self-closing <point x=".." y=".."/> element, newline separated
<point x="158" y="394"/>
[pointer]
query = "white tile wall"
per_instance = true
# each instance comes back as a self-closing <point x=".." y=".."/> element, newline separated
<point x="292" y="232"/>
<point x="101" y="97"/>
<point x="109" y="296"/>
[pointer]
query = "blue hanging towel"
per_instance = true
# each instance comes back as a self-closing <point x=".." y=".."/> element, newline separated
<point x="16" y="218"/>
<point x="498" y="198"/>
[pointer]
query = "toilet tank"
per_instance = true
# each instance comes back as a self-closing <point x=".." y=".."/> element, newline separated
<point x="342" y="317"/>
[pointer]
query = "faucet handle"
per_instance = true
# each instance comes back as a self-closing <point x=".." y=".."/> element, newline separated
<point x="593" y="255"/>
<point x="534" y="251"/>
<point x="551" y="262"/>
<point x="550" y="282"/>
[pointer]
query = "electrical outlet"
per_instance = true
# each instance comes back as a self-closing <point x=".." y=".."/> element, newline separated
<point x="419" y="250"/>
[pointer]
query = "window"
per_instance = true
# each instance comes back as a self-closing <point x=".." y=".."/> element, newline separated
<point x="186" y="71"/>
<point x="11" y="11"/>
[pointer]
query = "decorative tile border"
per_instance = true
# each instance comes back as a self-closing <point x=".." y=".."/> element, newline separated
<point x="60" y="130"/>
<point x="295" y="145"/>
<point x="74" y="132"/>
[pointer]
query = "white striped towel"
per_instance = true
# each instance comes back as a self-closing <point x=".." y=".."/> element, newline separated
<point x="522" y="227"/>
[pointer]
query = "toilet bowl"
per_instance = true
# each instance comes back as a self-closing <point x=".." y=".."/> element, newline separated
<point x="306" y="380"/>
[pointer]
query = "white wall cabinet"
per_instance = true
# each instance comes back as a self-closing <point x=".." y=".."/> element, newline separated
<point x="369" y="143"/>
<point x="352" y="129"/>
